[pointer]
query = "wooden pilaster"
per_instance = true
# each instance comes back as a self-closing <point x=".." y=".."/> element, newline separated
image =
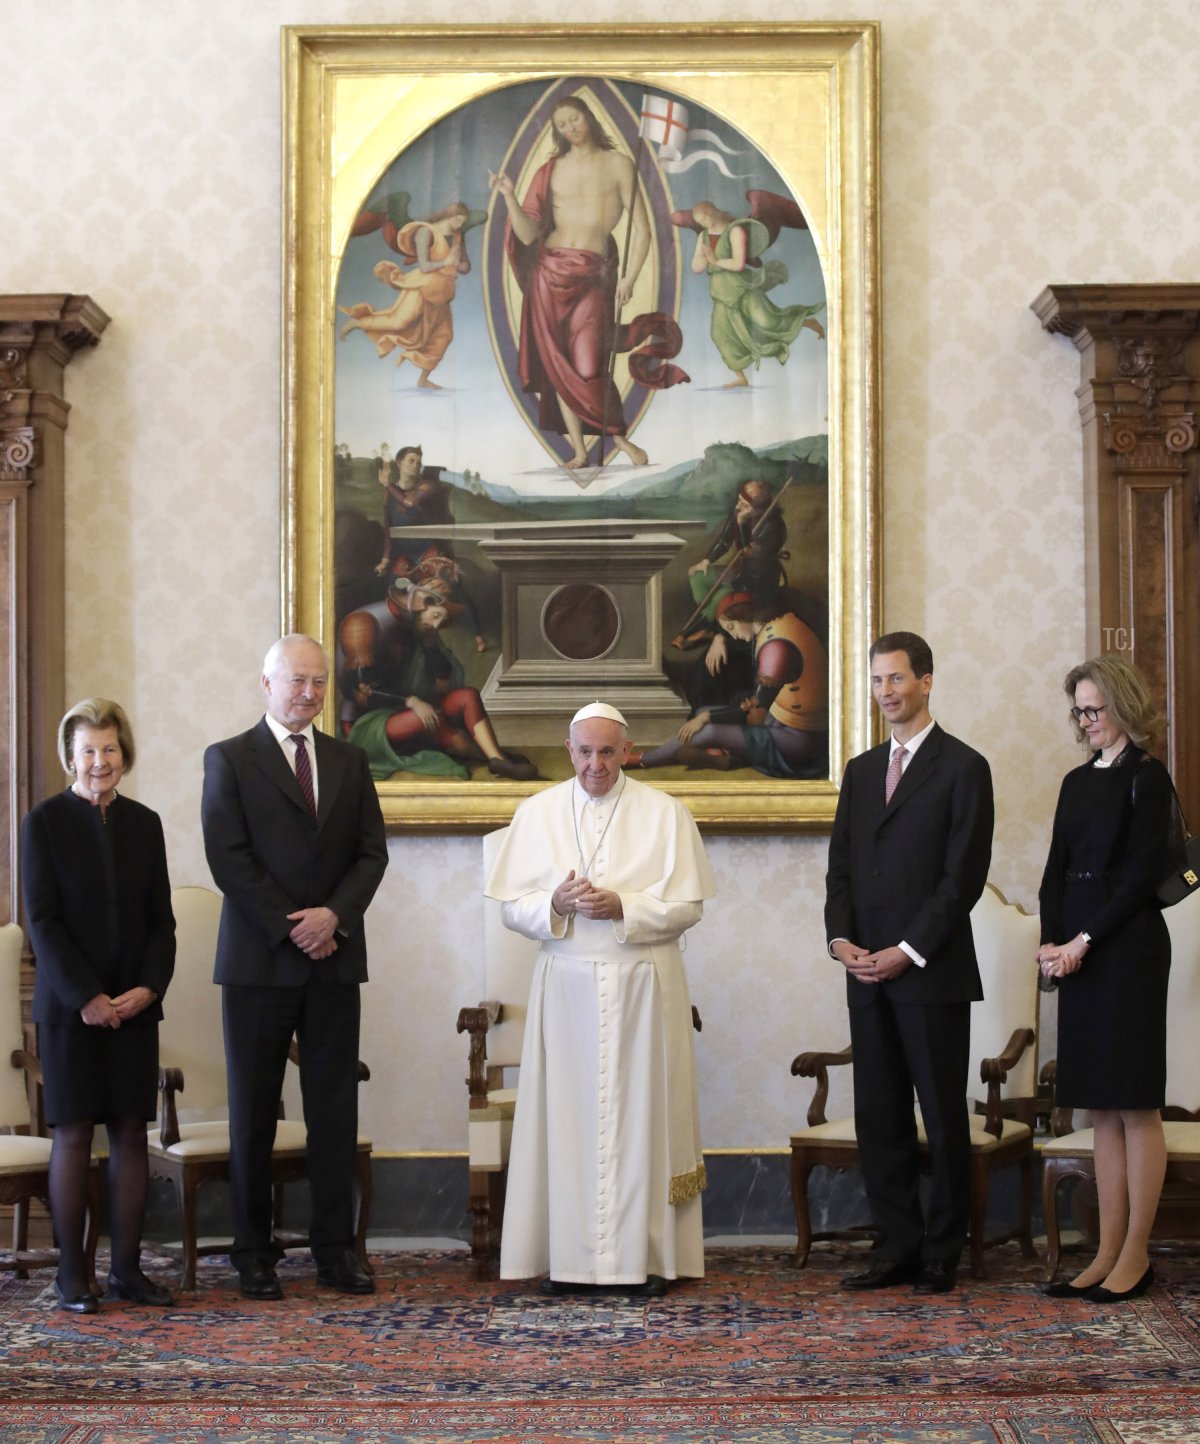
<point x="1139" y="400"/>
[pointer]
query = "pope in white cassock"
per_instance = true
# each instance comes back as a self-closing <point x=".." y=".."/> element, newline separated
<point x="605" y="1170"/>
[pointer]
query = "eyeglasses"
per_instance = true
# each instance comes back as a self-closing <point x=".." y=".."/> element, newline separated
<point x="1091" y="713"/>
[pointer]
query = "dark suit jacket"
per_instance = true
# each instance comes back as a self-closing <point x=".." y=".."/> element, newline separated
<point x="66" y="906"/>
<point x="269" y="857"/>
<point x="913" y="870"/>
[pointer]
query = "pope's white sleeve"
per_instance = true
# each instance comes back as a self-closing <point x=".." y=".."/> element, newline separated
<point x="650" y="920"/>
<point x="532" y="916"/>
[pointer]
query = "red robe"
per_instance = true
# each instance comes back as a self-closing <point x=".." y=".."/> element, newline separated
<point x="568" y="327"/>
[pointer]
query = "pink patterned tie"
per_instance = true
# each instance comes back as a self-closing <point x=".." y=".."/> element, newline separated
<point x="304" y="774"/>
<point x="895" y="768"/>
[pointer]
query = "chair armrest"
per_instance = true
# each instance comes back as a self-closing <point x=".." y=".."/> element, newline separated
<point x="170" y="1082"/>
<point x="475" y="1022"/>
<point x="32" y="1065"/>
<point x="993" y="1072"/>
<point x="817" y="1065"/>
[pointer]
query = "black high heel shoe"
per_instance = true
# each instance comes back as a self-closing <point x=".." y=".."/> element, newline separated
<point x="1100" y="1295"/>
<point x="139" y="1290"/>
<point x="85" y="1303"/>
<point x="1062" y="1289"/>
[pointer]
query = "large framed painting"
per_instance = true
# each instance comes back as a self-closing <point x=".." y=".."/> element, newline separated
<point x="582" y="402"/>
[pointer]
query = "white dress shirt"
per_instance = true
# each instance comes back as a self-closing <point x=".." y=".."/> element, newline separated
<point x="288" y="747"/>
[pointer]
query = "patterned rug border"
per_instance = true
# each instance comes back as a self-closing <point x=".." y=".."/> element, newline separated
<point x="1163" y="1404"/>
<point x="441" y="1358"/>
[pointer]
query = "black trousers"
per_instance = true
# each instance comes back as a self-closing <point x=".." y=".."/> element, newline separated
<point x="899" y="1047"/>
<point x="259" y="1023"/>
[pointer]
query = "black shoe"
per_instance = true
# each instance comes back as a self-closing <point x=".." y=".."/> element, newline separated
<point x="346" y="1274"/>
<point x="653" y="1288"/>
<point x="884" y="1273"/>
<point x="1100" y="1295"/>
<point x="937" y="1277"/>
<point x="139" y="1290"/>
<point x="1061" y="1289"/>
<point x="259" y="1281"/>
<point x="85" y="1303"/>
<point x="561" y="1288"/>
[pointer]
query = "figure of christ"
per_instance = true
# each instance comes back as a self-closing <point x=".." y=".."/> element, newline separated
<point x="560" y="241"/>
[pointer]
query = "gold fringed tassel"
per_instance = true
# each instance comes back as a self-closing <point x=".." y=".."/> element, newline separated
<point x="686" y="1186"/>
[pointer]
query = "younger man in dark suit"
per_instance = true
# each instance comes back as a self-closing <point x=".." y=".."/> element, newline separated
<point x="294" y="836"/>
<point x="908" y="859"/>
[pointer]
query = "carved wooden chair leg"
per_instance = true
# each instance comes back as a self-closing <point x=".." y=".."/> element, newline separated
<point x="1051" y="1177"/>
<point x="800" y="1173"/>
<point x="20" y="1236"/>
<point x="481" y="1217"/>
<point x="979" y="1203"/>
<point x="487" y="1220"/>
<point x="1026" y="1235"/>
<point x="362" y="1206"/>
<point x="186" y="1188"/>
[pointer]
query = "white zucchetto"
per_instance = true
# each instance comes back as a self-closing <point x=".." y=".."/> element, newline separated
<point x="598" y="709"/>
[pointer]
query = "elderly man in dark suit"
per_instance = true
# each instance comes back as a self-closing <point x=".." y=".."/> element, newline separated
<point x="908" y="859"/>
<point x="295" y="839"/>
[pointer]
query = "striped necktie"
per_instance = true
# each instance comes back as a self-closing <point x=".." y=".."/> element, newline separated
<point x="304" y="774"/>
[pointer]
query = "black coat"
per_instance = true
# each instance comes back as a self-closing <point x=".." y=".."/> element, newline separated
<point x="1107" y="851"/>
<point x="67" y="905"/>
<point x="911" y="871"/>
<point x="270" y="858"/>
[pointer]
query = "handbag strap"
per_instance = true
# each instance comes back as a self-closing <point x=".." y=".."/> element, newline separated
<point x="1178" y="804"/>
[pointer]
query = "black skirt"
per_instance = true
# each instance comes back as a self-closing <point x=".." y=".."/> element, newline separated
<point x="1112" y="1013"/>
<point x="91" y="1074"/>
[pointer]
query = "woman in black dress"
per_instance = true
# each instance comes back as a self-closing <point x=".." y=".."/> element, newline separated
<point x="98" y="903"/>
<point x="1108" y="849"/>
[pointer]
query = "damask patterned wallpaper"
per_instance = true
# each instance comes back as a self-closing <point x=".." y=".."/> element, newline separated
<point x="1022" y="144"/>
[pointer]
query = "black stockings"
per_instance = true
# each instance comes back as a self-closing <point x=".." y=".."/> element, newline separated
<point x="70" y="1157"/>
<point x="127" y="1183"/>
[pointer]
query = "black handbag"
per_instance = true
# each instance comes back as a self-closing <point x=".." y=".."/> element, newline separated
<point x="1184" y="876"/>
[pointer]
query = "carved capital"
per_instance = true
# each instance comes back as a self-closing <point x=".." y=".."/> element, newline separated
<point x="18" y="453"/>
<point x="1149" y="443"/>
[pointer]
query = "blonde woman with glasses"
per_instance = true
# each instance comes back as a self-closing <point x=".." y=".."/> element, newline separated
<point x="1106" y="948"/>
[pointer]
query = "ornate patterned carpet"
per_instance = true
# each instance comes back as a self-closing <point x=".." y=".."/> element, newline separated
<point x="757" y="1352"/>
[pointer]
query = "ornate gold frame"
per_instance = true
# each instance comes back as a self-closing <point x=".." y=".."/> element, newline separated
<point x="808" y="93"/>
